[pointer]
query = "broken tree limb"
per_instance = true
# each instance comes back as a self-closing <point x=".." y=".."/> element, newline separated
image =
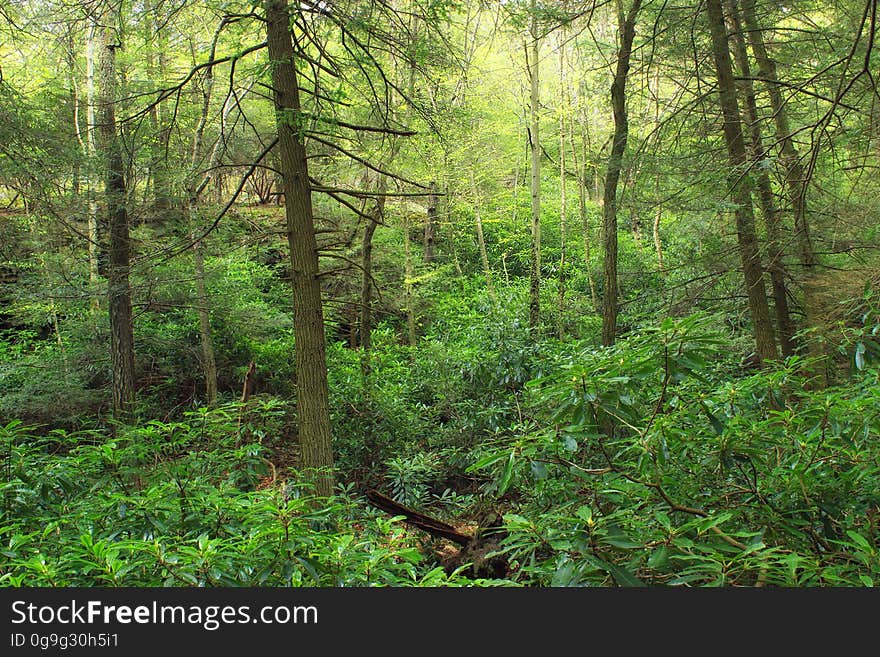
<point x="425" y="523"/>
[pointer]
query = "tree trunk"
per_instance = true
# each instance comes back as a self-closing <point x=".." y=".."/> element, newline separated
<point x="658" y="213"/>
<point x="193" y="192"/>
<point x="209" y="363"/>
<point x="408" y="285"/>
<point x="92" y="165"/>
<point x="118" y="289"/>
<point x="366" y="314"/>
<point x="581" y="168"/>
<point x="161" y="133"/>
<point x="481" y="241"/>
<point x="747" y="238"/>
<point x="535" y="151"/>
<point x="313" y="411"/>
<point x="563" y="82"/>
<point x="74" y="109"/>
<point x="431" y="224"/>
<point x="365" y="323"/>
<point x="615" y="162"/>
<point x="795" y="178"/>
<point x="776" y="265"/>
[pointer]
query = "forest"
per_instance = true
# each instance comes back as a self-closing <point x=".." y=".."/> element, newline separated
<point x="439" y="293"/>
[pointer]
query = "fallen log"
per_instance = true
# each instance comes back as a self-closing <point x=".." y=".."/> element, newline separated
<point x="475" y="550"/>
<point x="425" y="523"/>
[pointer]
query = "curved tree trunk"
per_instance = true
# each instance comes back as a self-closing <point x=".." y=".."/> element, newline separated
<point x="615" y="162"/>
<point x="747" y="238"/>
<point x="313" y="411"/>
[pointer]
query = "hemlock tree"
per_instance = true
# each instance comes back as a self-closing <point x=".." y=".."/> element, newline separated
<point x="313" y="410"/>
<point x="747" y="237"/>
<point x="119" y="243"/>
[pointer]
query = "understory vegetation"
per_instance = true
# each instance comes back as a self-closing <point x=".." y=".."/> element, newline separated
<point x="714" y="473"/>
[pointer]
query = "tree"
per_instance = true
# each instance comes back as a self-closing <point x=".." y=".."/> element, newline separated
<point x="627" y="27"/>
<point x="313" y="410"/>
<point x="747" y="237"/>
<point x="119" y="245"/>
<point x="533" y="48"/>
<point x="776" y="265"/>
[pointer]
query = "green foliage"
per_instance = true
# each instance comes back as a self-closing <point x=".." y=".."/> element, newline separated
<point x="652" y="463"/>
<point x="184" y="504"/>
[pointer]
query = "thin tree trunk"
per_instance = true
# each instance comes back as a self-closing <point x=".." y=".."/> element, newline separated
<point x="615" y="163"/>
<point x="156" y="49"/>
<point x="535" y="151"/>
<point x="795" y="178"/>
<point x="581" y="168"/>
<point x="118" y="288"/>
<point x="209" y="363"/>
<point x="776" y="265"/>
<point x="91" y="152"/>
<point x="366" y="314"/>
<point x="408" y="285"/>
<point x="658" y="214"/>
<point x="431" y="224"/>
<point x="481" y="240"/>
<point x="313" y="410"/>
<point x="193" y="192"/>
<point x="747" y="237"/>
<point x="563" y="94"/>
<point x="74" y="107"/>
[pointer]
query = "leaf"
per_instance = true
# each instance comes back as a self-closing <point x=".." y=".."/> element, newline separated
<point x="623" y="577"/>
<point x="659" y="557"/>
<point x="860" y="540"/>
<point x="483" y="462"/>
<point x="621" y="541"/>
<point x="411" y="555"/>
<point x="585" y="513"/>
<point x="569" y="444"/>
<point x="507" y="473"/>
<point x="716" y="423"/>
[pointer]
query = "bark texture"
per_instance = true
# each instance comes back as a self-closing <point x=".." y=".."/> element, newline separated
<point x="313" y="413"/>
<point x="612" y="176"/>
<point x="747" y="238"/>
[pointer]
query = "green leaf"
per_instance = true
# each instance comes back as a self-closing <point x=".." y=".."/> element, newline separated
<point x="623" y="577"/>
<point x="507" y="473"/>
<point x="483" y="462"/>
<point x="620" y="541"/>
<point x="659" y="557"/>
<point x="860" y="540"/>
<point x="716" y="423"/>
<point x="585" y="513"/>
